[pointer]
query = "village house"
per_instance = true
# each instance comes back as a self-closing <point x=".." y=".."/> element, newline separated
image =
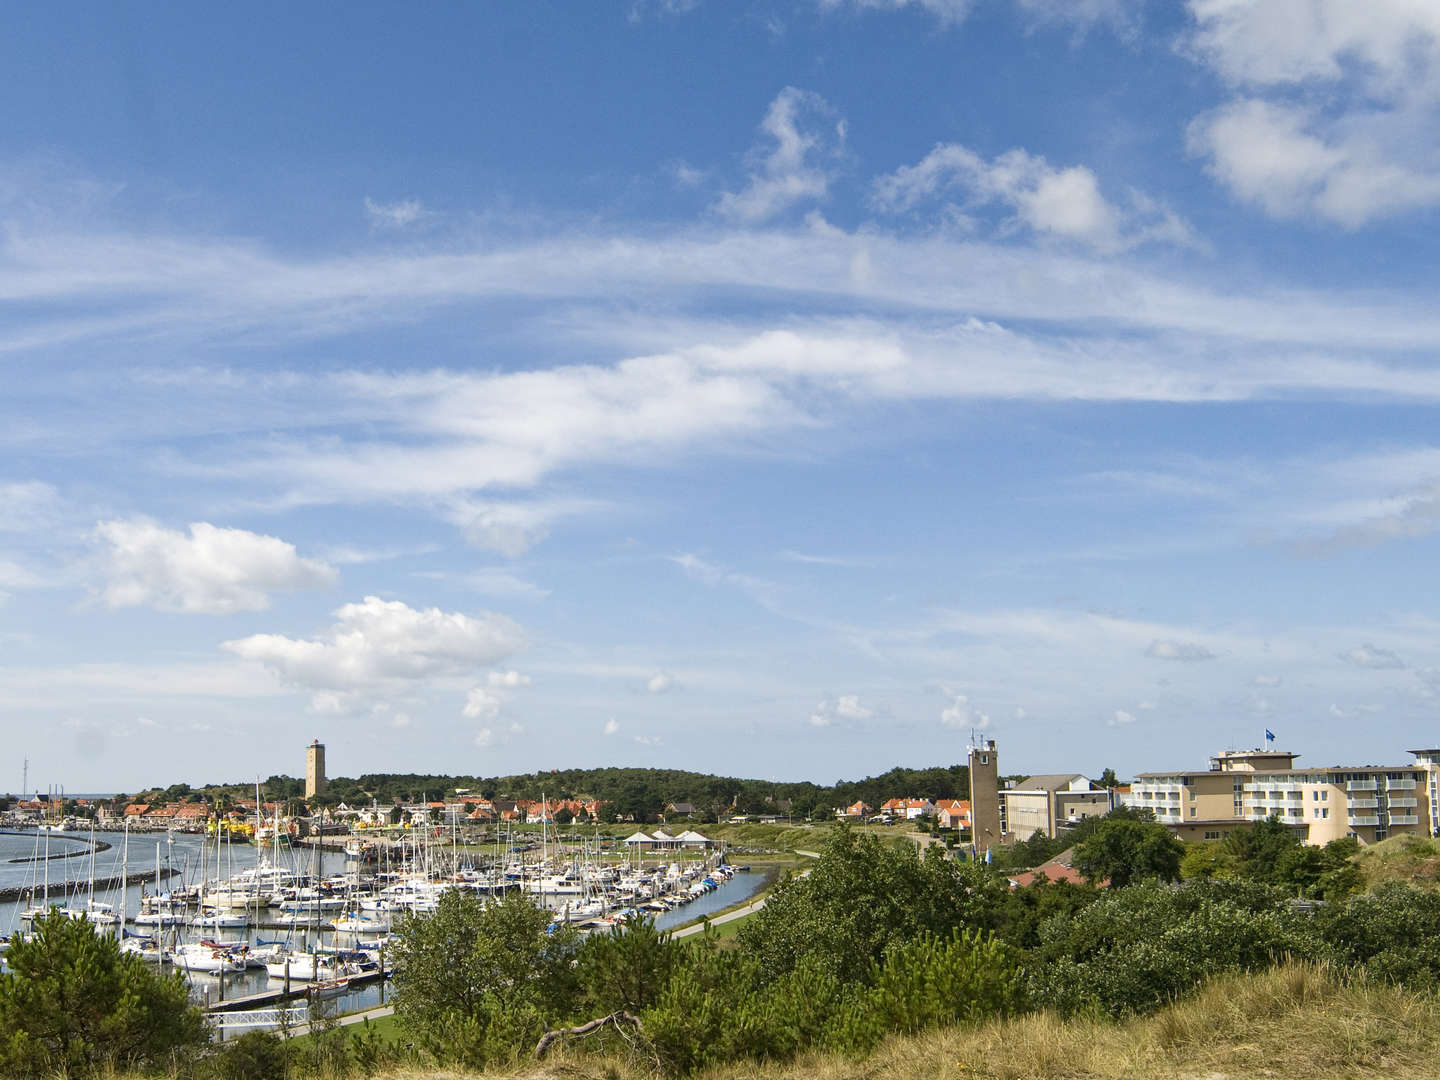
<point x="955" y="814"/>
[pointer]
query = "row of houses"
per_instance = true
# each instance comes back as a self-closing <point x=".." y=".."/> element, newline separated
<point x="950" y="813"/>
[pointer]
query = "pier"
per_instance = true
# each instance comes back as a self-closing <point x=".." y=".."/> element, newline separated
<point x="271" y="997"/>
<point x="59" y="889"/>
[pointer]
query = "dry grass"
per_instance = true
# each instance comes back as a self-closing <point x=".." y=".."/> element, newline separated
<point x="1297" y="1022"/>
<point x="1414" y="860"/>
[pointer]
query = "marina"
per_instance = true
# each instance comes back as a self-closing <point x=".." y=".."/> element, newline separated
<point x="253" y="928"/>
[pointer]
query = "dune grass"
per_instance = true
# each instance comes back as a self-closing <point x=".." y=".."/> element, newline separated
<point x="1294" y="1022"/>
<point x="1413" y="860"/>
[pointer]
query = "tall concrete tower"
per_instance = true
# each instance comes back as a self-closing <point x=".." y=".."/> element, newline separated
<point x="984" y="765"/>
<point x="315" y="769"/>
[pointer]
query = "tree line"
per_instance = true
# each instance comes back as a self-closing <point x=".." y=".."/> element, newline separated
<point x="628" y="793"/>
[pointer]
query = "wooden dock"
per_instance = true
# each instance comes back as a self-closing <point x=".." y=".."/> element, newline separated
<point x="268" y="997"/>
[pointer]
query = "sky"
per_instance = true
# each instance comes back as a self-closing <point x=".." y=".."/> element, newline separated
<point x="784" y="390"/>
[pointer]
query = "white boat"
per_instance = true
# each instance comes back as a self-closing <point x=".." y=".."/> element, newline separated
<point x="205" y="958"/>
<point x="211" y="919"/>
<point x="359" y="923"/>
<point x="306" y="967"/>
<point x="147" y="949"/>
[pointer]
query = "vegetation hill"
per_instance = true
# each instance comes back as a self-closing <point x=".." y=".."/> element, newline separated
<point x="641" y="793"/>
<point x="1412" y="860"/>
<point x="1293" y="1022"/>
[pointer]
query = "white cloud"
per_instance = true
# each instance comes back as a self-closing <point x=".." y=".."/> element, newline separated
<point x="1343" y="106"/>
<point x="1063" y="202"/>
<point x="660" y="682"/>
<point x="640" y="8"/>
<point x="648" y="740"/>
<point x="482" y="703"/>
<point x="1368" y="656"/>
<point x="1386" y="43"/>
<point x="805" y="134"/>
<point x="947" y="11"/>
<point x="612" y="727"/>
<point x="1178" y="650"/>
<point x="1291" y="164"/>
<point x="396" y="215"/>
<point x="1122" y="14"/>
<point x="842" y="709"/>
<point x="686" y="176"/>
<point x="485" y="703"/>
<point x="487" y="736"/>
<point x="960" y="713"/>
<point x="212" y="571"/>
<point x="1121" y="717"/>
<point x="378" y="642"/>
<point x="511" y="528"/>
<point x="1267" y="680"/>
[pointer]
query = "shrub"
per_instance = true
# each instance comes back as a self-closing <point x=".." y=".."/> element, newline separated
<point x="74" y="1004"/>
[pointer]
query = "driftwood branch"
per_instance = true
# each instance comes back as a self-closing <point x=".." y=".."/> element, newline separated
<point x="551" y="1037"/>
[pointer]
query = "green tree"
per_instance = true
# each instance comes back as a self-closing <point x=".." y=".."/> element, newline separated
<point x="478" y="978"/>
<point x="1262" y="847"/>
<point x="73" y="1004"/>
<point x="1122" y="851"/>
<point x="626" y="968"/>
<point x="1108" y="779"/>
<point x="1208" y="861"/>
<point x="862" y="896"/>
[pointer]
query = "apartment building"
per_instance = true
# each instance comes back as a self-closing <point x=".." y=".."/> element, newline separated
<point x="1368" y="802"/>
<point x="1046" y="804"/>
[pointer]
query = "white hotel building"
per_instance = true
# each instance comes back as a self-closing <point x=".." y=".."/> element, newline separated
<point x="1368" y="802"/>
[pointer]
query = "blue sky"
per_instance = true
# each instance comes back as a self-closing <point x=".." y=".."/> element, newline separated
<point x="775" y="389"/>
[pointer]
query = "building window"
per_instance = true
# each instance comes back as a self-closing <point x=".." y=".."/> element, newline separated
<point x="1325" y="813"/>
<point x="1192" y="811"/>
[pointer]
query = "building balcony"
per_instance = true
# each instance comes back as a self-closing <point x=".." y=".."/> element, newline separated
<point x="1364" y="804"/>
<point x="1404" y="819"/>
<point x="1360" y="785"/>
<point x="1362" y="819"/>
<point x="1399" y="802"/>
<point x="1401" y="785"/>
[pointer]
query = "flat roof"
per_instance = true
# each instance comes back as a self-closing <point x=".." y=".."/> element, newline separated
<point x="1411" y="767"/>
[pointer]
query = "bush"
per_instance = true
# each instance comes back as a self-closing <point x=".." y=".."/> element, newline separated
<point x="476" y="980"/>
<point x="1394" y="932"/>
<point x="1139" y="947"/>
<point x="74" y="1004"/>
<point x="861" y="897"/>
<point x="256" y="1055"/>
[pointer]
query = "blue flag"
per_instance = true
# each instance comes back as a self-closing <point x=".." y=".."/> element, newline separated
<point x="1269" y="735"/>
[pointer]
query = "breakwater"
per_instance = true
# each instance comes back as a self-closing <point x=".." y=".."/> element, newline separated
<point x="88" y="847"/>
<point x="59" y="889"/>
